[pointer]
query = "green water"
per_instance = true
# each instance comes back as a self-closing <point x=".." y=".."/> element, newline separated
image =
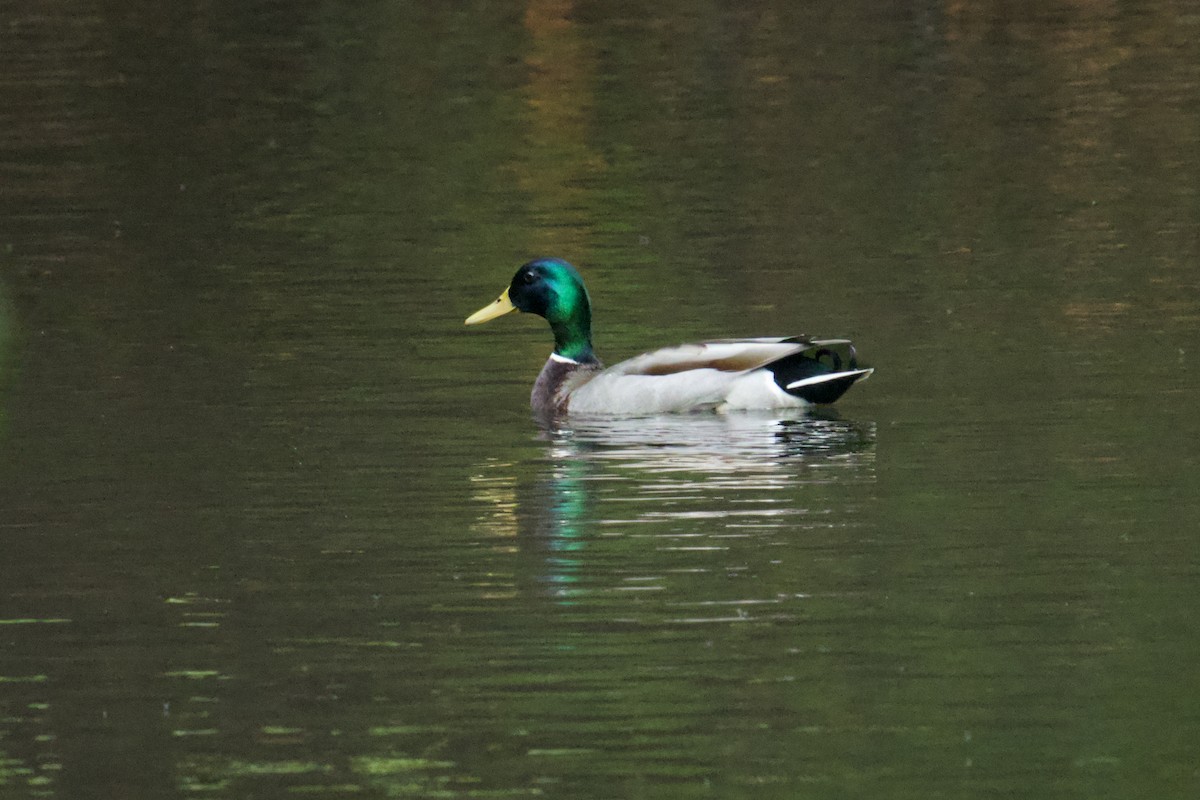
<point x="275" y="524"/>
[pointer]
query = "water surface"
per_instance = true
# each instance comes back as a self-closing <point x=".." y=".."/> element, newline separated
<point x="275" y="524"/>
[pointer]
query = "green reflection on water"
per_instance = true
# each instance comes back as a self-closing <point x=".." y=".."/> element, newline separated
<point x="568" y="503"/>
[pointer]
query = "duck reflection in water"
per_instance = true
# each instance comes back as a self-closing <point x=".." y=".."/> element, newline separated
<point x="675" y="483"/>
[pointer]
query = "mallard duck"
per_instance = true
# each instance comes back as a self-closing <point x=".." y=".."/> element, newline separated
<point x="764" y="373"/>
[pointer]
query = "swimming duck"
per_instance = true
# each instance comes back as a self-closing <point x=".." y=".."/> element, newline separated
<point x="724" y="375"/>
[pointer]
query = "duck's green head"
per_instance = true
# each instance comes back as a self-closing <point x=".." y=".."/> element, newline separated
<point x="553" y="289"/>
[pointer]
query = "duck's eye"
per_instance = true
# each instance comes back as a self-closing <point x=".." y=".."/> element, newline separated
<point x="528" y="278"/>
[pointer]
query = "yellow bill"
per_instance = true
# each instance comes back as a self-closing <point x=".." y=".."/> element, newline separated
<point x="498" y="308"/>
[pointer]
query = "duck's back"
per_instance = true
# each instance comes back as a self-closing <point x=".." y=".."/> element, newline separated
<point x="713" y="375"/>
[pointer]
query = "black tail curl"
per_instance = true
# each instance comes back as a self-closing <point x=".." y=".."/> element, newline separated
<point x="823" y="371"/>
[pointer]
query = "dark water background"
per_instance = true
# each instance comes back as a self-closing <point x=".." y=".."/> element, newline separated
<point x="274" y="524"/>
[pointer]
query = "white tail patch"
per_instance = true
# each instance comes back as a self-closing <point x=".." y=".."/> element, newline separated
<point x="833" y="376"/>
